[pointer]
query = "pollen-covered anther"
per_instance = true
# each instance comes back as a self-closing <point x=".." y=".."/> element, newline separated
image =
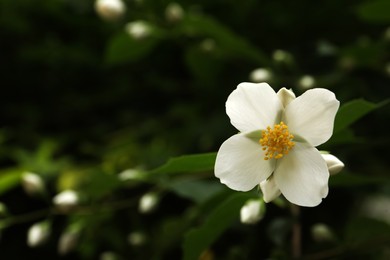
<point x="277" y="141"/>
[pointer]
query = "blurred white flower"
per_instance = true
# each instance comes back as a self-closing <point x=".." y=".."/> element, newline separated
<point x="376" y="207"/>
<point x="130" y="174"/>
<point x="322" y="233"/>
<point x="306" y="82"/>
<point x="283" y="130"/>
<point x="38" y="234"/>
<point x="208" y="45"/>
<point x="334" y="164"/>
<point x="252" y="212"/>
<point x="136" y="238"/>
<point x="66" y="200"/>
<point x="282" y="56"/>
<point x="138" y="29"/>
<point x="110" y="10"/>
<point x="68" y="241"/>
<point x="108" y="256"/>
<point x="148" y="202"/>
<point x="32" y="183"/>
<point x="174" y="12"/>
<point x="260" y="75"/>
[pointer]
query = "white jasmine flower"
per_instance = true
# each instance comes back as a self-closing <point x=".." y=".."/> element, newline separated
<point x="277" y="139"/>
<point x="110" y="10"/>
<point x="32" y="183"/>
<point x="252" y="212"/>
<point x="260" y="75"/>
<point x="38" y="234"/>
<point x="66" y="200"/>
<point x="334" y="164"/>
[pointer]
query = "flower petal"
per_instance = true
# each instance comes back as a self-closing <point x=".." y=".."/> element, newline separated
<point x="285" y="96"/>
<point x="253" y="106"/>
<point x="269" y="189"/>
<point x="240" y="163"/>
<point x="311" y="115"/>
<point x="302" y="176"/>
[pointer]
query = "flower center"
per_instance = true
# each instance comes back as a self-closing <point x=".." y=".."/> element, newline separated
<point x="276" y="141"/>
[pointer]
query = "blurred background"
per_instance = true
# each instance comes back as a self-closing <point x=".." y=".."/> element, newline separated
<point x="96" y="93"/>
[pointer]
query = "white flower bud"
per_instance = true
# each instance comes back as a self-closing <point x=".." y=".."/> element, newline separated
<point x="260" y="75"/>
<point x="38" y="234"/>
<point x="148" y="202"/>
<point x="252" y="212"/>
<point x="208" y="45"/>
<point x="334" y="164"/>
<point x="282" y="56"/>
<point x="322" y="233"/>
<point x="110" y="10"/>
<point x="269" y="189"/>
<point x="32" y="183"/>
<point x="306" y="82"/>
<point x="138" y="29"/>
<point x="66" y="200"/>
<point x="130" y="174"/>
<point x="136" y="238"/>
<point x="174" y="12"/>
<point x="109" y="256"/>
<point x="68" y="241"/>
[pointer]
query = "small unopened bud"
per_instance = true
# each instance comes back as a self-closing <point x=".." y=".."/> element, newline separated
<point x="260" y="75"/>
<point x="208" y="45"/>
<point x="334" y="164"/>
<point x="68" y="241"/>
<point x="269" y="189"/>
<point x="306" y="82"/>
<point x="136" y="238"/>
<point x="282" y="56"/>
<point x="252" y="212"/>
<point x="66" y="200"/>
<point x="110" y="10"/>
<point x="174" y="12"/>
<point x="130" y="174"/>
<point x="322" y="233"/>
<point x="32" y="184"/>
<point x="148" y="202"/>
<point x="138" y="29"/>
<point x="109" y="256"/>
<point x="38" y="234"/>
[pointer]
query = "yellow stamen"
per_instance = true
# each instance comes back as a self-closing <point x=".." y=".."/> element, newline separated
<point x="277" y="142"/>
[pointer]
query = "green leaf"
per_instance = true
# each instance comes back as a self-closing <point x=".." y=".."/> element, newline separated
<point x="187" y="163"/>
<point x="198" y="239"/>
<point x="9" y="178"/>
<point x="374" y="11"/>
<point x="352" y="111"/>
<point x="196" y="190"/>
<point x="123" y="48"/>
